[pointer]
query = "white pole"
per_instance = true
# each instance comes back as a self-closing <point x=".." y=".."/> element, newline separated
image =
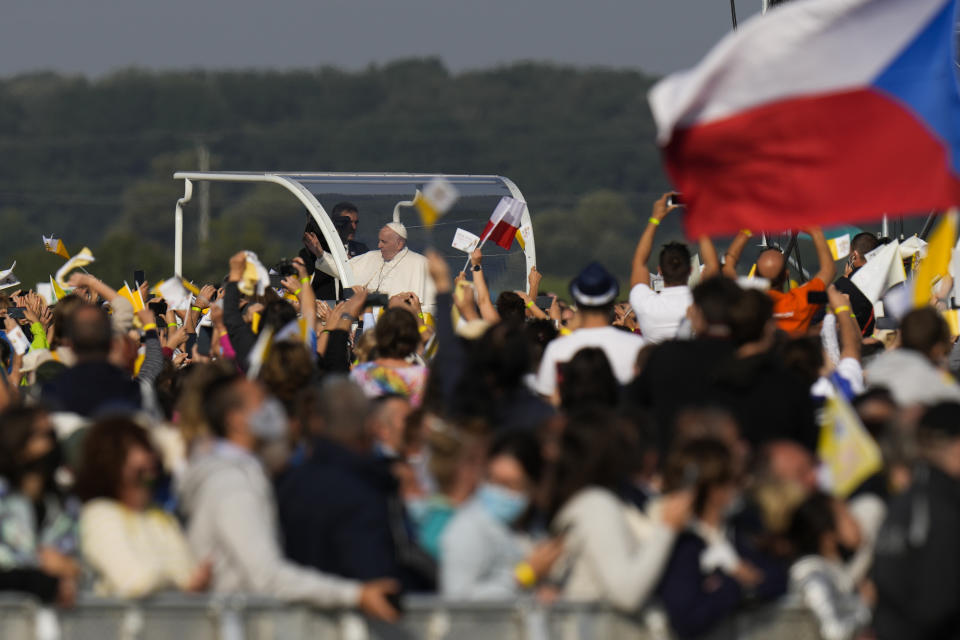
<point x="764" y="5"/>
<point x="178" y="228"/>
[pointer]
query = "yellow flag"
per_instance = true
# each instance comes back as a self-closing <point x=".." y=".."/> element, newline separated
<point x="133" y="296"/>
<point x="57" y="290"/>
<point x="259" y="353"/>
<point x="78" y="261"/>
<point x="846" y="447"/>
<point x="937" y="262"/>
<point x="189" y="286"/>
<point x="55" y="245"/>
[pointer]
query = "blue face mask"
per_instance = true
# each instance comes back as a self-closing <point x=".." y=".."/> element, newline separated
<point x="503" y="504"/>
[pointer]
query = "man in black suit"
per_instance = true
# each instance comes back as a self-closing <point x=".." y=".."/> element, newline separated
<point x="345" y="217"/>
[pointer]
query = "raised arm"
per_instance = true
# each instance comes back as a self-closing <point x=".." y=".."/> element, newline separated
<point x="487" y="311"/>
<point x="733" y="253"/>
<point x="828" y="269"/>
<point x="708" y="256"/>
<point x="94" y="284"/>
<point x="640" y="273"/>
<point x="850" y="337"/>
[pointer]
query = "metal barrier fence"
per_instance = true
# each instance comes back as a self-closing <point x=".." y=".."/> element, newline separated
<point x="179" y="617"/>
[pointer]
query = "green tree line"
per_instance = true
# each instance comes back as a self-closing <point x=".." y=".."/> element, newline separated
<point x="91" y="160"/>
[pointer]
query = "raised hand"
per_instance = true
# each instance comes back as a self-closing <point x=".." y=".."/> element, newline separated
<point x="206" y="295"/>
<point x="661" y="208"/>
<point x="312" y="243"/>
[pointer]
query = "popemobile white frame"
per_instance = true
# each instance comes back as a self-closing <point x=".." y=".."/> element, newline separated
<point x="291" y="182"/>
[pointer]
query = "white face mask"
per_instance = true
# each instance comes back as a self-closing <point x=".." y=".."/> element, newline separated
<point x="269" y="421"/>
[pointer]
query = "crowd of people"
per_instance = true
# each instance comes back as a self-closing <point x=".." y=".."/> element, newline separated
<point x="659" y="456"/>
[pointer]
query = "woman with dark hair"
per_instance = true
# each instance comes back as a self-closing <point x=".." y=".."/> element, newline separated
<point x="607" y="559"/>
<point x="710" y="573"/>
<point x="38" y="525"/>
<point x="398" y="338"/>
<point x="135" y="550"/>
<point x="587" y="380"/>
<point x="482" y="556"/>
<point x="820" y="527"/>
<point x="493" y="386"/>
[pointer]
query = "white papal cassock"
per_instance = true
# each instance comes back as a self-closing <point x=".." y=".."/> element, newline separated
<point x="406" y="272"/>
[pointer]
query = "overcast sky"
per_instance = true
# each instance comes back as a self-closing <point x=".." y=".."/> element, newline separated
<point x="98" y="36"/>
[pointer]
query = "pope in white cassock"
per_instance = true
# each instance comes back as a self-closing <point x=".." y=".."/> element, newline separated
<point x="394" y="268"/>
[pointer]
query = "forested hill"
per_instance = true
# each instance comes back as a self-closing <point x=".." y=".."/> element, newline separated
<point x="91" y="159"/>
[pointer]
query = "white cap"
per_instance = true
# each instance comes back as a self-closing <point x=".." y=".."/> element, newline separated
<point x="398" y="228"/>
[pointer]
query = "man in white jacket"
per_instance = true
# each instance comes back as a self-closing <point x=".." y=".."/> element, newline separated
<point x="231" y="511"/>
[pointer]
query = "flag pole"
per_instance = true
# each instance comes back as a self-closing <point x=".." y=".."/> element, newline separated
<point x="733" y="13"/>
<point x="483" y="240"/>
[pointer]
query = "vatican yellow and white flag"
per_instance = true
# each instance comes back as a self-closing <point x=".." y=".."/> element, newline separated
<point x="936" y="263"/>
<point x="839" y="246"/>
<point x="258" y="355"/>
<point x="438" y="197"/>
<point x="846" y="448"/>
<point x="55" y="245"/>
<point x="56" y="291"/>
<point x="78" y="261"/>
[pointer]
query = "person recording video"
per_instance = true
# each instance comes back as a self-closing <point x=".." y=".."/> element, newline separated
<point x="345" y="217"/>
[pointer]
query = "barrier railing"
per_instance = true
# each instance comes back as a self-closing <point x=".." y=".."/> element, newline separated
<point x="179" y="617"/>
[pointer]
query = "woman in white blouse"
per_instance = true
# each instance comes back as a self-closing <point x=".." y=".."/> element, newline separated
<point x="133" y="549"/>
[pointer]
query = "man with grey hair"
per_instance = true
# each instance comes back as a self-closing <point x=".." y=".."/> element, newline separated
<point x="340" y="510"/>
<point x="394" y="268"/>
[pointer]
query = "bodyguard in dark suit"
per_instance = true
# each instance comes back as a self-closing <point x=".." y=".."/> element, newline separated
<point x="345" y="218"/>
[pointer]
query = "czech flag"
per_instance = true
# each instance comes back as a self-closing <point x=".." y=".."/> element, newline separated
<point x="504" y="223"/>
<point x="820" y="112"/>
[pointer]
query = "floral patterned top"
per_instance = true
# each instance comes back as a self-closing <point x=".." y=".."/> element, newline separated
<point x="379" y="380"/>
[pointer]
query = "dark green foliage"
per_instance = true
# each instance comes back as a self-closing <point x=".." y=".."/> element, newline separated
<point x="92" y="160"/>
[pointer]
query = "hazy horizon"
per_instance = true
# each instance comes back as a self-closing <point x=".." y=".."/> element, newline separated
<point x="100" y="37"/>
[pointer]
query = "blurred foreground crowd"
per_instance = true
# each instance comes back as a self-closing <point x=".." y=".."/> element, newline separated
<point x="666" y="456"/>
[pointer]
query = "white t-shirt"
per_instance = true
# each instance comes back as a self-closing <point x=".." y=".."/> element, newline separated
<point x="620" y="346"/>
<point x="659" y="314"/>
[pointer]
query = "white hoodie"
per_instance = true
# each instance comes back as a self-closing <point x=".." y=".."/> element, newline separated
<point x="232" y="521"/>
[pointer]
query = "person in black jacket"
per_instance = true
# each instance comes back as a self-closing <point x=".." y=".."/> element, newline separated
<point x="860" y="246"/>
<point x="345" y="218"/>
<point x="340" y="510"/>
<point x="917" y="563"/>
<point x="93" y="385"/>
<point x="712" y="570"/>
<point x="679" y="373"/>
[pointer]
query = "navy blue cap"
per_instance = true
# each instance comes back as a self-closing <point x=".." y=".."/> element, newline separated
<point x="594" y="286"/>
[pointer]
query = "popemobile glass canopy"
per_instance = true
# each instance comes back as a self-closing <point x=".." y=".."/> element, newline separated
<point x="376" y="195"/>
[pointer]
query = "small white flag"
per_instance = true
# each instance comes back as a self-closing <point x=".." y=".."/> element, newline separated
<point x="465" y="241"/>
<point x="19" y="341"/>
<point x="7" y="279"/>
<point x="175" y="294"/>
